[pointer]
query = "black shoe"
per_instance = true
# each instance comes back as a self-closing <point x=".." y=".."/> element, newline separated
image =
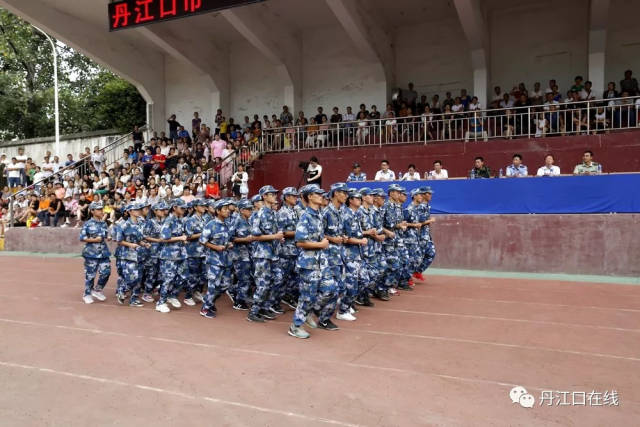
<point x="328" y="325"/>
<point x="255" y="318"/>
<point x="266" y="314"/>
<point x="359" y="301"/>
<point x="209" y="314"/>
<point x="404" y="287"/>
<point x="276" y="309"/>
<point x="135" y="302"/>
<point x="383" y="295"/>
<point x="240" y="306"/>
<point x="288" y="301"/>
<point x="367" y="302"/>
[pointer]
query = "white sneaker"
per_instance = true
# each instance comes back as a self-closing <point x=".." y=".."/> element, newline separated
<point x="147" y="298"/>
<point x="198" y="296"/>
<point x="189" y="302"/>
<point x="345" y="316"/>
<point x="351" y="310"/>
<point x="162" y="308"/>
<point x="393" y="291"/>
<point x="87" y="299"/>
<point x="174" y="302"/>
<point x="65" y="225"/>
<point x="98" y="295"/>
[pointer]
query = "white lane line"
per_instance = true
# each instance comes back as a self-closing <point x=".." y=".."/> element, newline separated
<point x="286" y="356"/>
<point x="177" y="393"/>
<point x="379" y="308"/>
<point x="508" y="319"/>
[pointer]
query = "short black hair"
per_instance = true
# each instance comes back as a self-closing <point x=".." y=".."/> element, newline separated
<point x="411" y="166"/>
<point x="578" y="77"/>
<point x="517" y="155"/>
<point x="588" y="151"/>
<point x="314" y="159"/>
<point x="385" y="161"/>
<point x="549" y="154"/>
<point x="438" y="161"/>
<point x="479" y="158"/>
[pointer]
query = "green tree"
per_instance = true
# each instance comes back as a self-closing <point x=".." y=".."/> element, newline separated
<point x="90" y="97"/>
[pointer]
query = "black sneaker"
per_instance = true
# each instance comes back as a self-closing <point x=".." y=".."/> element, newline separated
<point x="359" y="301"/>
<point x="288" y="301"/>
<point x="255" y="318"/>
<point x="328" y="325"/>
<point x="277" y="309"/>
<point x="266" y="314"/>
<point x="208" y="313"/>
<point x="404" y="287"/>
<point x="240" y="306"/>
<point x="383" y="295"/>
<point x="135" y="302"/>
<point x="368" y="302"/>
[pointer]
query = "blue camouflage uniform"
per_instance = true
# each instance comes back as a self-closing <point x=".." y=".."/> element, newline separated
<point x="241" y="256"/>
<point x="392" y="247"/>
<point x="194" y="225"/>
<point x="367" y="222"/>
<point x="379" y="255"/>
<point x="412" y="215"/>
<point x="267" y="272"/>
<point x="96" y="255"/>
<point x="426" y="241"/>
<point x="218" y="263"/>
<point x="352" y="256"/>
<point x="152" y="229"/>
<point x="127" y="259"/>
<point x="173" y="269"/>
<point x="287" y="221"/>
<point x="145" y="262"/>
<point x="314" y="290"/>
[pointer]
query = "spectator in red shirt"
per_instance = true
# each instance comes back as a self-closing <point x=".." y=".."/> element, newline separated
<point x="213" y="190"/>
<point x="159" y="160"/>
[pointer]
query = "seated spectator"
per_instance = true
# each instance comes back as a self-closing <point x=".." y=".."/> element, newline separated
<point x="541" y="125"/>
<point x="411" y="174"/>
<point x="601" y="122"/>
<point x="55" y="211"/>
<point x="363" y="129"/>
<point x="506" y="102"/>
<point x="586" y="94"/>
<point x="474" y="104"/>
<point x="374" y="114"/>
<point x="476" y="129"/>
<point x="385" y="174"/>
<point x="577" y="85"/>
<point x="177" y="187"/>
<point x="320" y="116"/>
<point x="508" y="123"/>
<point x="357" y="174"/>
<point x="611" y="91"/>
<point x="588" y="166"/>
<point x="448" y="100"/>
<point x="497" y="98"/>
<point x="390" y="125"/>
<point x="549" y="169"/>
<point x="465" y="99"/>
<point x="186" y="195"/>
<point x="516" y="169"/>
<point x="479" y="169"/>
<point x="438" y="172"/>
<point x="212" y="190"/>
<point x="536" y="96"/>
<point x="428" y="124"/>
<point x="436" y="106"/>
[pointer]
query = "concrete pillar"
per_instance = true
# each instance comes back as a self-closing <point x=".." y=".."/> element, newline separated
<point x="480" y="76"/>
<point x="598" y="22"/>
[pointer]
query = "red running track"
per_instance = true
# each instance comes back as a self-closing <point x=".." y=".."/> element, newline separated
<point x="446" y="354"/>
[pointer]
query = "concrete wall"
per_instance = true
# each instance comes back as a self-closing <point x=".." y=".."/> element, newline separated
<point x="69" y="144"/>
<point x="578" y="244"/>
<point x="623" y="40"/>
<point x="187" y="90"/>
<point x="618" y="152"/>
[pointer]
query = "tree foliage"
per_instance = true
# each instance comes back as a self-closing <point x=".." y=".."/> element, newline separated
<point x="90" y="97"/>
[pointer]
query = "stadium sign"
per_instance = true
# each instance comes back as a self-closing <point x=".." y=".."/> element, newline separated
<point x="133" y="13"/>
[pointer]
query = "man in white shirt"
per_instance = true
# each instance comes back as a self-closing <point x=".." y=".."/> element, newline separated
<point x="438" y="172"/>
<point x="506" y="102"/>
<point x="516" y="169"/>
<point x="549" y="169"/>
<point x="497" y="97"/>
<point x="21" y="157"/>
<point x="385" y="174"/>
<point x="47" y="167"/>
<point x="536" y="96"/>
<point x="14" y="172"/>
<point x="411" y="175"/>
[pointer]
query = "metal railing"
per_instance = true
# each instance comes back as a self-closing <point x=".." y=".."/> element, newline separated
<point x="80" y="167"/>
<point x="555" y="118"/>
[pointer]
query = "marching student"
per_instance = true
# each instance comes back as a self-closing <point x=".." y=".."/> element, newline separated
<point x="96" y="254"/>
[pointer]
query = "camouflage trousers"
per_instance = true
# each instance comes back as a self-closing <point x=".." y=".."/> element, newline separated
<point x="243" y="271"/>
<point x="174" y="277"/>
<point x="428" y="255"/>
<point x="317" y="293"/>
<point x="92" y="268"/>
<point x="354" y="275"/>
<point x="151" y="270"/>
<point x="195" y="276"/>
<point x="288" y="267"/>
<point x="267" y="275"/>
<point x="331" y="285"/>
<point x="392" y="272"/>
<point x="371" y="271"/>
<point x="130" y="273"/>
<point x="218" y="281"/>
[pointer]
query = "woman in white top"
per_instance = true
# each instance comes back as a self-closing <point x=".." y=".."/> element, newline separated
<point x="363" y="129"/>
<point x="438" y="172"/>
<point x="549" y="169"/>
<point x="314" y="172"/>
<point x="411" y="175"/>
<point x="98" y="159"/>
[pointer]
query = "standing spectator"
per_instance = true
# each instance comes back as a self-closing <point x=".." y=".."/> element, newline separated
<point x="479" y="169"/>
<point x="314" y="172"/>
<point x="438" y="172"/>
<point x="196" y="122"/>
<point x="217" y="146"/>
<point x="464" y="98"/>
<point x="240" y="181"/>
<point x="21" y="157"/>
<point x="98" y="159"/>
<point x="536" y="96"/>
<point x="611" y="91"/>
<point x="629" y="84"/>
<point x="549" y="169"/>
<point x="586" y="94"/>
<point x="357" y="174"/>
<point x="14" y="173"/>
<point x="138" y="138"/>
<point x="516" y="169"/>
<point x="47" y="166"/>
<point x="385" y="174"/>
<point x="4" y="163"/>
<point x="497" y="97"/>
<point x="286" y="118"/>
<point x="411" y="174"/>
<point x="69" y="161"/>
<point x="173" y="128"/>
<point x="588" y="166"/>
<point x="410" y="97"/>
<point x="320" y="116"/>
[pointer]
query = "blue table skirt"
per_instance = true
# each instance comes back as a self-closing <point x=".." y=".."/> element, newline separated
<point x="618" y="193"/>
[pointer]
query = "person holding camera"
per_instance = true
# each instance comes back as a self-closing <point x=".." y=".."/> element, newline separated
<point x="240" y="180"/>
<point x="314" y="172"/>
